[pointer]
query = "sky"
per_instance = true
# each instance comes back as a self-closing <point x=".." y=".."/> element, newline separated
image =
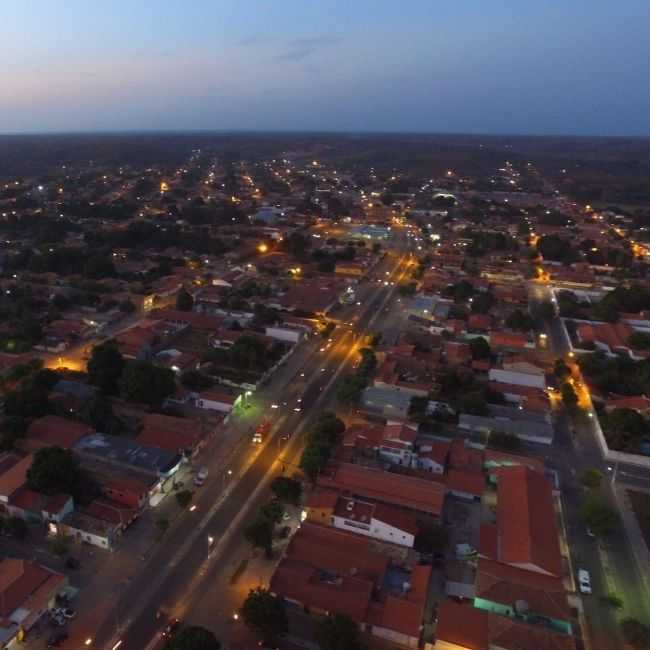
<point x="454" y="66"/>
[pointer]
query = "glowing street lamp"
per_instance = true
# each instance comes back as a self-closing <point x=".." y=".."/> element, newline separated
<point x="262" y="248"/>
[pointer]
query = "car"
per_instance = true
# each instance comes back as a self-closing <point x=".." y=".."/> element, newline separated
<point x="590" y="533"/>
<point x="172" y="627"/>
<point x="68" y="612"/>
<point x="584" y="581"/>
<point x="286" y="516"/>
<point x="56" y="639"/>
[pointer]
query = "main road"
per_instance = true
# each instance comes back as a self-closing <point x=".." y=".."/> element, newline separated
<point x="178" y="569"/>
<point x="611" y="562"/>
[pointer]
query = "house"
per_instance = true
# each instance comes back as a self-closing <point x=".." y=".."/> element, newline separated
<point x="54" y="431"/>
<point x="432" y="455"/>
<point x="463" y="627"/>
<point x="174" y="435"/>
<point x="334" y="571"/>
<point x="88" y="529"/>
<point x="136" y="343"/>
<point x="638" y="403"/>
<point x="35" y="507"/>
<point x="509" y="341"/>
<point x="531" y="429"/>
<point x="511" y="376"/>
<point x="526" y="531"/>
<point x="27" y="591"/>
<point x="397" y="443"/>
<point x="14" y="475"/>
<point x="379" y="521"/>
<point x="406" y="492"/>
<point x="214" y="399"/>
<point x="387" y="401"/>
<point x="503" y="589"/>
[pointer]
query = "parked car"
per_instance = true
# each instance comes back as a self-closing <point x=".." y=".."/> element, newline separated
<point x="202" y="474"/>
<point x="68" y="612"/>
<point x="584" y="581"/>
<point x="286" y="516"/>
<point x="56" y="639"/>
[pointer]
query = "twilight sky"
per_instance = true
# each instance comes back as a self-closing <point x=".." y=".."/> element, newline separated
<point x="484" y="66"/>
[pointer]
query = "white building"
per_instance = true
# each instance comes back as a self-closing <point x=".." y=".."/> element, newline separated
<point x="375" y="520"/>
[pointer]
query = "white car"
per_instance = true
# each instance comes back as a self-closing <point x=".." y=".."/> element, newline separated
<point x="584" y="580"/>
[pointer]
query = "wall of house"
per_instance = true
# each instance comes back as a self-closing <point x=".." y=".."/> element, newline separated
<point x="101" y="541"/>
<point x="375" y="529"/>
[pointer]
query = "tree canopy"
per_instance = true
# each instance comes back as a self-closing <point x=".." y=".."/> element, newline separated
<point x="287" y="489"/>
<point x="184" y="300"/>
<point x="193" y="637"/>
<point x="54" y="470"/>
<point x="321" y="440"/>
<point x="598" y="515"/>
<point x="338" y="632"/>
<point x="264" y="614"/>
<point x="105" y="367"/>
<point x="143" y="382"/>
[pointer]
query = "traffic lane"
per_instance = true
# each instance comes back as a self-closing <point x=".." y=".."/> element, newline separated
<point x="146" y="626"/>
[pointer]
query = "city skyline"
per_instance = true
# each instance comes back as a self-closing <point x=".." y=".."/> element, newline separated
<point x="371" y="67"/>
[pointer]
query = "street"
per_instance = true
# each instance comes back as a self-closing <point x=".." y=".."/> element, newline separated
<point x="179" y="569"/>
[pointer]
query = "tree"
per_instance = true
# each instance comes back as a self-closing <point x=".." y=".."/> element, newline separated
<point x="196" y="380"/>
<point x="193" y="637"/>
<point x="569" y="397"/>
<point x="504" y="441"/>
<point x="13" y="428"/>
<point x="636" y="633"/>
<point x="480" y="348"/>
<point x="598" y="515"/>
<point x="518" y="320"/>
<point x="350" y="388"/>
<point x="338" y="632"/>
<point x="592" y="478"/>
<point x="184" y="300"/>
<point x="184" y="497"/>
<point x="264" y="614"/>
<point x="625" y="429"/>
<point x="16" y="527"/>
<point x="54" y="470"/>
<point x="561" y="370"/>
<point x="272" y="511"/>
<point x="105" y="367"/>
<point x="473" y="403"/>
<point x="97" y="411"/>
<point x="143" y="382"/>
<point x="287" y="489"/>
<point x="259" y="534"/>
<point x="28" y="401"/>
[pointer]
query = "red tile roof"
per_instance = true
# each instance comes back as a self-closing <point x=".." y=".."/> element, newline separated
<point x="300" y="582"/>
<point x="526" y="520"/>
<point x="511" y="634"/>
<point x="507" y="340"/>
<point x="388" y="487"/>
<point x="466" y="481"/>
<point x="337" y="551"/>
<point x="505" y="584"/>
<point x="52" y="430"/>
<point x="615" y="335"/>
<point x="463" y="625"/>
<point x="404" y="613"/>
<point x="20" y="579"/>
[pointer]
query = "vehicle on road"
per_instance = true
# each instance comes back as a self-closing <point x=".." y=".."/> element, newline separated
<point x="584" y="581"/>
<point x="286" y="516"/>
<point x="202" y="474"/>
<point x="590" y="533"/>
<point x="263" y="429"/>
